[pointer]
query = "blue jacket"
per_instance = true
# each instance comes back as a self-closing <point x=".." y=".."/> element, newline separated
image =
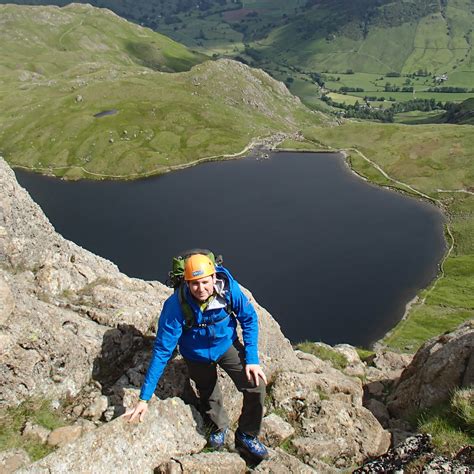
<point x="202" y="344"/>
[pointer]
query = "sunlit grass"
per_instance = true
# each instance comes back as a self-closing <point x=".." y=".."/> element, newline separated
<point x="451" y="424"/>
<point x="13" y="420"/>
<point x="337" y="360"/>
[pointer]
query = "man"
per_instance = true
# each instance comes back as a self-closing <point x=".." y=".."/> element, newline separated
<point x="216" y="303"/>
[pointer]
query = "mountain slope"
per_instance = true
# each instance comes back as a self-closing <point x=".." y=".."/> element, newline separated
<point x="64" y="66"/>
<point x="55" y="40"/>
<point x="310" y="43"/>
<point x="373" y="38"/>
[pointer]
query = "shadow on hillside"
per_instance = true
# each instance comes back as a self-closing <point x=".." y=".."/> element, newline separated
<point x="122" y="364"/>
<point x="152" y="56"/>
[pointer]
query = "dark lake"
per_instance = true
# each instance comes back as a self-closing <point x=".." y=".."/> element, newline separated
<point x="333" y="258"/>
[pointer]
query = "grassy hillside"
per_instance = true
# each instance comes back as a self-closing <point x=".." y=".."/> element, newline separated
<point x="432" y="162"/>
<point x="421" y="40"/>
<point x="428" y="47"/>
<point x="60" y="67"/>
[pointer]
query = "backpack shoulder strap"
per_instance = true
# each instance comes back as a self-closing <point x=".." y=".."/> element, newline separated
<point x="229" y="309"/>
<point x="185" y="307"/>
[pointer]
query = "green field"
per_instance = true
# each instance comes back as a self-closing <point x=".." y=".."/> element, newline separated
<point x="428" y="158"/>
<point x="344" y="98"/>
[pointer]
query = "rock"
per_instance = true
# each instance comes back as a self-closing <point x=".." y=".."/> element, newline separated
<point x="6" y="343"/>
<point x="443" y="464"/>
<point x="332" y="423"/>
<point x="355" y="367"/>
<point x="396" y="458"/>
<point x="379" y="410"/>
<point x="280" y="462"/>
<point x="311" y="363"/>
<point x="398" y="424"/>
<point x="35" y="432"/>
<point x="169" y="430"/>
<point x="12" y="460"/>
<point x="96" y="409"/>
<point x="289" y="387"/>
<point x="391" y="361"/>
<point x="376" y="389"/>
<point x="469" y="372"/>
<point x="78" y="410"/>
<point x="85" y="425"/>
<point x="341" y="434"/>
<point x="110" y="413"/>
<point x="64" y="435"/>
<point x="275" y="430"/>
<point x="204" y="463"/>
<point x="437" y="369"/>
<point x="79" y="98"/>
<point x="399" y="436"/>
<point x="7" y="303"/>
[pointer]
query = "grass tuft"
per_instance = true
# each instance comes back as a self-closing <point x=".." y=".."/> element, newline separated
<point x="337" y="360"/>
<point x="365" y="354"/>
<point x="462" y="405"/>
<point x="13" y="419"/>
<point x="450" y="423"/>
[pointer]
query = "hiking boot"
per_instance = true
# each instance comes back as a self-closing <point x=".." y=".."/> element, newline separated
<point x="217" y="439"/>
<point x="250" y="446"/>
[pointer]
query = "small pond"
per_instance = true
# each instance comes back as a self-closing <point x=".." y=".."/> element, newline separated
<point x="104" y="113"/>
<point x="333" y="258"/>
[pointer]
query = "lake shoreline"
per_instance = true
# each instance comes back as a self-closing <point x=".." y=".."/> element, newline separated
<point x="412" y="193"/>
<point x="260" y="145"/>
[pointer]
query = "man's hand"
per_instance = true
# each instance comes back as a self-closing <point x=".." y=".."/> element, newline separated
<point x="136" y="413"/>
<point x="254" y="372"/>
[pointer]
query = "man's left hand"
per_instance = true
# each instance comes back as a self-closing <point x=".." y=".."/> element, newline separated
<point x="254" y="372"/>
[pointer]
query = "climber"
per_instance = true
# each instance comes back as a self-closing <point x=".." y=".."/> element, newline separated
<point x="201" y="317"/>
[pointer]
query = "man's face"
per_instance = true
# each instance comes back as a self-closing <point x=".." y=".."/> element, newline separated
<point x="203" y="288"/>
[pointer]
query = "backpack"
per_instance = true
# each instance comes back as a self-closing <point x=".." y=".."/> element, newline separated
<point x="176" y="280"/>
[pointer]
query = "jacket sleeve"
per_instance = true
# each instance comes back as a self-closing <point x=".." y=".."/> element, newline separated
<point x="170" y="328"/>
<point x="248" y="320"/>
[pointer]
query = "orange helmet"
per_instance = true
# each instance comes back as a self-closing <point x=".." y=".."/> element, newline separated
<point x="198" y="266"/>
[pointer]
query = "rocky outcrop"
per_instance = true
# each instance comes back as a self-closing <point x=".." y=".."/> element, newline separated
<point x="442" y="364"/>
<point x="72" y="326"/>
<point x="326" y="407"/>
<point x="169" y="430"/>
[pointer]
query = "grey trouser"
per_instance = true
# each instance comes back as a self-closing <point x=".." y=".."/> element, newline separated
<point x="210" y="395"/>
